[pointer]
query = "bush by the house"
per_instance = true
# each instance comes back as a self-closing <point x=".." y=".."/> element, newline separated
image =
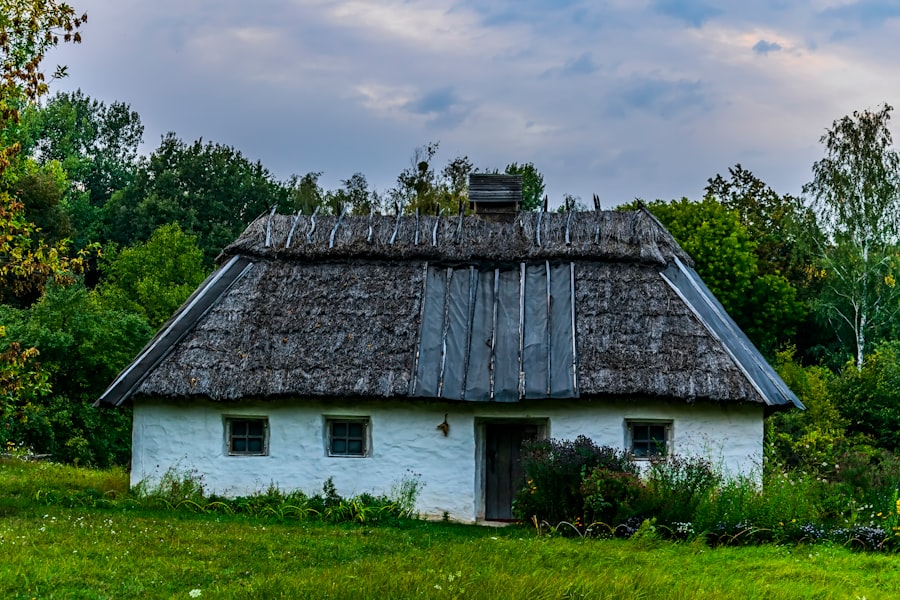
<point x="577" y="488"/>
<point x="555" y="471"/>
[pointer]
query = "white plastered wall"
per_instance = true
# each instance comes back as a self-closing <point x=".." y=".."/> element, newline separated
<point x="405" y="442"/>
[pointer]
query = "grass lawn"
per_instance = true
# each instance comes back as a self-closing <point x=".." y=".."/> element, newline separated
<point x="57" y="552"/>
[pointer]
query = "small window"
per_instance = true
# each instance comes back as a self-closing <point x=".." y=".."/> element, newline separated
<point x="649" y="439"/>
<point x="248" y="436"/>
<point x="347" y="437"/>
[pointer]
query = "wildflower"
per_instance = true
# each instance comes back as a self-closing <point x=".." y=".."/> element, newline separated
<point x="194" y="593"/>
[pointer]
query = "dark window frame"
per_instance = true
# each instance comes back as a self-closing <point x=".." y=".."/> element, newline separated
<point x="347" y="437"/>
<point x="644" y="441"/>
<point x="243" y="438"/>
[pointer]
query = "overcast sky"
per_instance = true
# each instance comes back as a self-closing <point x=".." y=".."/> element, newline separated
<point x="624" y="98"/>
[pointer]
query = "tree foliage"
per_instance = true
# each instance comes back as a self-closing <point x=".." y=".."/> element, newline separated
<point x="28" y="30"/>
<point x="870" y="396"/>
<point x="83" y="344"/>
<point x="95" y="145"/>
<point x="211" y="190"/>
<point x="532" y="184"/>
<point x="41" y="189"/>
<point x="855" y="193"/>
<point x="778" y="224"/>
<point x="814" y="439"/>
<point x="418" y="186"/>
<point x="21" y="379"/>
<point x="153" y="278"/>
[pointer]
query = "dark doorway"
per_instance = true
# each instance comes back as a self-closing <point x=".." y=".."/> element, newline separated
<point x="503" y="466"/>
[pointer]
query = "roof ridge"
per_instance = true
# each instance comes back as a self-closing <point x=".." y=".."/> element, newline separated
<point x="589" y="235"/>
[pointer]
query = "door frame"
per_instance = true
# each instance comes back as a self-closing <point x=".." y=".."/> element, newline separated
<point x="481" y="423"/>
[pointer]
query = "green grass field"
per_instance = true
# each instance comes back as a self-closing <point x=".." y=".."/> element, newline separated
<point x="57" y="552"/>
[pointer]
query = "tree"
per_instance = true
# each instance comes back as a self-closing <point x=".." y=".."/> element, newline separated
<point x="855" y="194"/>
<point x="355" y="194"/>
<point x="456" y="178"/>
<point x="83" y="344"/>
<point x="96" y="144"/>
<point x="532" y="184"/>
<point x="211" y="190"/>
<point x="153" y="278"/>
<point x="305" y="193"/>
<point x="776" y="223"/>
<point x="28" y="29"/>
<point x="97" y="147"/>
<point x="418" y="187"/>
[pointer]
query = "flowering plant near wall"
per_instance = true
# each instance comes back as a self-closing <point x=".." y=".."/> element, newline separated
<point x="577" y="488"/>
<point x="555" y="472"/>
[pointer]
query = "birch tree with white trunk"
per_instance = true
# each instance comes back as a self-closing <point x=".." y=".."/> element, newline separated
<point x="855" y="195"/>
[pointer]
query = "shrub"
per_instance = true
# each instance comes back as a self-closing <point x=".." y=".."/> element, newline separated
<point x="869" y="397"/>
<point x="554" y="472"/>
<point x="868" y="475"/>
<point x="613" y="497"/>
<point x="678" y="485"/>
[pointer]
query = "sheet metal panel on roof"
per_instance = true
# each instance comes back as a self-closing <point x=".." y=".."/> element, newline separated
<point x="497" y="334"/>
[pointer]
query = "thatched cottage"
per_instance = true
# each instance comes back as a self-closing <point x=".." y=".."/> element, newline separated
<point x="367" y="349"/>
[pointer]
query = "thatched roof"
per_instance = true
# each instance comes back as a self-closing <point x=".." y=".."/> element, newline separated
<point x="334" y="307"/>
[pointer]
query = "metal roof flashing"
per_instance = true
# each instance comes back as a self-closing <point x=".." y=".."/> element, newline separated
<point x="686" y="283"/>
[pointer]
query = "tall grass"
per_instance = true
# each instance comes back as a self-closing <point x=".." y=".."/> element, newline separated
<point x="25" y="483"/>
<point x="130" y="547"/>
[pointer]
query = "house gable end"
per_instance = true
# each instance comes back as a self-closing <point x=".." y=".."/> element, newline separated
<point x="181" y="323"/>
<point x="710" y="312"/>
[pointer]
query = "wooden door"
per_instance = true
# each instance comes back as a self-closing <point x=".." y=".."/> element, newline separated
<point x="503" y="467"/>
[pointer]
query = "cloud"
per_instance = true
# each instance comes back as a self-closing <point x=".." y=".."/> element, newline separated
<point x="442" y="105"/>
<point x="436" y="27"/>
<point x="692" y="12"/>
<point x="865" y="12"/>
<point x="662" y="97"/>
<point x="582" y="65"/>
<point x="625" y="98"/>
<point x="764" y="47"/>
<point x="436" y="101"/>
